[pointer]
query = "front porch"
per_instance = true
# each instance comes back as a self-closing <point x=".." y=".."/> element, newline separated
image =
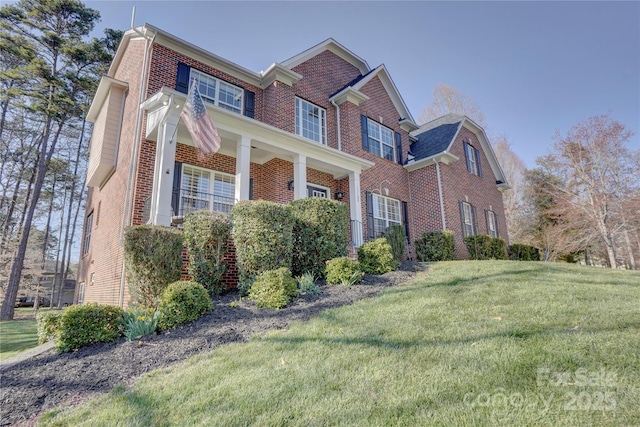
<point x="255" y="161"/>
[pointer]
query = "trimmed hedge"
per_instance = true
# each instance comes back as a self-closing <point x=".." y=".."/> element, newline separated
<point x="479" y="246"/>
<point x="375" y="257"/>
<point x="48" y="325"/>
<point x="518" y="252"/>
<point x="343" y="271"/>
<point x="497" y="248"/>
<point x="396" y="238"/>
<point x="274" y="289"/>
<point x="263" y="237"/>
<point x="153" y="259"/>
<point x="435" y="246"/>
<point x="87" y="324"/>
<point x="206" y="236"/>
<point x="182" y="302"/>
<point x="320" y="233"/>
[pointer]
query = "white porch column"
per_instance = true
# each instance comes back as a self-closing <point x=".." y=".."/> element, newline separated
<point x="299" y="176"/>
<point x="163" y="175"/>
<point x="243" y="166"/>
<point x="355" y="208"/>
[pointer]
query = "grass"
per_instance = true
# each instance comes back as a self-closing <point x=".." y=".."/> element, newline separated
<point x="17" y="336"/>
<point x="468" y="344"/>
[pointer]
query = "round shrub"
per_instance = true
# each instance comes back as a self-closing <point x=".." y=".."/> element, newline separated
<point x="153" y="259"/>
<point x="274" y="289"/>
<point x="343" y="271"/>
<point x="48" y="324"/>
<point x="375" y="257"/>
<point x="320" y="232"/>
<point x="182" y="302"/>
<point x="87" y="324"/>
<point x="206" y="236"/>
<point x="263" y="237"/>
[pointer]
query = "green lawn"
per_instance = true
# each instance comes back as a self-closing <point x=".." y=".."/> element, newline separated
<point x="468" y="344"/>
<point x="17" y="336"/>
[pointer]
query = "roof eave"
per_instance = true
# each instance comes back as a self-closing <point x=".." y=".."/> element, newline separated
<point x="443" y="157"/>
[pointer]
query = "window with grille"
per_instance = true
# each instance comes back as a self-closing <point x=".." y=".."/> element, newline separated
<point x="386" y="212"/>
<point x="311" y="121"/>
<point x="206" y="189"/>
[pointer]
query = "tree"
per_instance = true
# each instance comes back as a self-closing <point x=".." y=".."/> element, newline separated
<point x="596" y="174"/>
<point x="445" y="100"/>
<point x="46" y="41"/>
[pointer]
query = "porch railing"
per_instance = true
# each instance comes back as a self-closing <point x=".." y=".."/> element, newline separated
<point x="356" y="233"/>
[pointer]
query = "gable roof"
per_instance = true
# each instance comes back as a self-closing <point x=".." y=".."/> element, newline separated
<point x="433" y="142"/>
<point x="332" y="46"/>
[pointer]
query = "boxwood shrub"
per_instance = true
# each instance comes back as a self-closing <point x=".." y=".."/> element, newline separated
<point x="497" y="248"/>
<point x="320" y="233"/>
<point x="182" y="302"/>
<point x="478" y="246"/>
<point x="343" y="271"/>
<point x="206" y="236"/>
<point x="48" y="325"/>
<point x="274" y="289"/>
<point x="519" y="252"/>
<point x="375" y="257"/>
<point x="263" y="237"/>
<point x="435" y="246"/>
<point x="153" y="259"/>
<point x="82" y="325"/>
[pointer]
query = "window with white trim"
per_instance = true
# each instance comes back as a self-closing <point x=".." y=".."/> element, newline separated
<point x="81" y="293"/>
<point x="218" y="92"/>
<point x="491" y="224"/>
<point x="468" y="228"/>
<point x="206" y="189"/>
<point x="87" y="233"/>
<point x="380" y="140"/>
<point x="311" y="121"/>
<point x="473" y="159"/>
<point x="386" y="212"/>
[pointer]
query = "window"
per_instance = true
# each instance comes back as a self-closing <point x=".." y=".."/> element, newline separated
<point x="492" y="226"/>
<point x="87" y="234"/>
<point x="380" y="140"/>
<point x="311" y="121"/>
<point x="386" y="212"/>
<point x="315" y="191"/>
<point x="217" y="92"/>
<point x="206" y="189"/>
<point x="80" y="293"/>
<point x="468" y="214"/>
<point x="473" y="159"/>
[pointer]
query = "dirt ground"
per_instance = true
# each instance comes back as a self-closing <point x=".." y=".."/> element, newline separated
<point x="50" y="379"/>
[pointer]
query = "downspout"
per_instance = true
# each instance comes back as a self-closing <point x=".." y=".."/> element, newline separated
<point x="133" y="165"/>
<point x="444" y="220"/>
<point x="338" y="121"/>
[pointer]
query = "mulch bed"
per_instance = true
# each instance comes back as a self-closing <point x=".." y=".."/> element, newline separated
<point x="50" y="379"/>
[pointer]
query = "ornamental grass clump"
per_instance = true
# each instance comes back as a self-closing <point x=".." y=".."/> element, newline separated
<point x="138" y="322"/>
<point x="307" y="284"/>
<point x="274" y="289"/>
<point x="395" y="235"/>
<point x="206" y="236"/>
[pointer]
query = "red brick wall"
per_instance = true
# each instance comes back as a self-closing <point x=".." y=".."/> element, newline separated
<point x="104" y="259"/>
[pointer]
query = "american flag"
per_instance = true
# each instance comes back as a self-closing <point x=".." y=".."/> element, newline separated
<point x="199" y="124"/>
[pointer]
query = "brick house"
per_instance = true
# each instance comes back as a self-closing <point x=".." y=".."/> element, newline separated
<point x="320" y="124"/>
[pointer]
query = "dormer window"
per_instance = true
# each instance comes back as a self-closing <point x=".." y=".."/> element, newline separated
<point x="311" y="121"/>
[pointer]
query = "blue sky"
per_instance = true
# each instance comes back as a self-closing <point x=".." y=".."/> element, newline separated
<point x="532" y="67"/>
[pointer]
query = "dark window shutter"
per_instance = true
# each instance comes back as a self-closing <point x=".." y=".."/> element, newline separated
<point x="466" y="156"/>
<point x="371" y="234"/>
<point x="405" y="219"/>
<point x="175" y="194"/>
<point x="182" y="79"/>
<point x="399" y="147"/>
<point x="250" y="188"/>
<point x="474" y="219"/>
<point x="365" y="132"/>
<point x="495" y="218"/>
<point x="477" y="153"/>
<point x="464" y="229"/>
<point x="486" y="220"/>
<point x="249" y="103"/>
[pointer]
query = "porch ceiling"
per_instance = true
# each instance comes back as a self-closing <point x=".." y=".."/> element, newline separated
<point x="267" y="142"/>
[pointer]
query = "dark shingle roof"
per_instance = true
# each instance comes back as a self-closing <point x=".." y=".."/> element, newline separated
<point x="434" y="141"/>
<point x="352" y="83"/>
